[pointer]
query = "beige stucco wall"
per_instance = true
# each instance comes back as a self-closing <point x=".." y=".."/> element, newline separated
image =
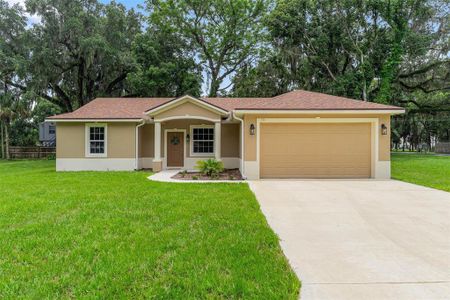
<point x="230" y="140"/>
<point x="229" y="137"/>
<point x="187" y="109"/>
<point x="384" y="140"/>
<point x="146" y="140"/>
<point x="70" y="140"/>
<point x="121" y="140"/>
<point x="250" y="141"/>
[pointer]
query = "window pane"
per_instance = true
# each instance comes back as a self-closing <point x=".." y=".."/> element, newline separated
<point x="97" y="147"/>
<point x="203" y="140"/>
<point x="97" y="140"/>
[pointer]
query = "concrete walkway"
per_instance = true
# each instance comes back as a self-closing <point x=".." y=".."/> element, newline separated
<point x="362" y="239"/>
<point x="166" y="176"/>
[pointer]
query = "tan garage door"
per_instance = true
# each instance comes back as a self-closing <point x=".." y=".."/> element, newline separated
<point x="293" y="150"/>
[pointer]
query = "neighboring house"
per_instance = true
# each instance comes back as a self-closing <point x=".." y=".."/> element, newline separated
<point x="299" y="134"/>
<point x="47" y="134"/>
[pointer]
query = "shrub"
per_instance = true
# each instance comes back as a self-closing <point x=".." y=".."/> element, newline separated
<point x="210" y="167"/>
<point x="195" y="177"/>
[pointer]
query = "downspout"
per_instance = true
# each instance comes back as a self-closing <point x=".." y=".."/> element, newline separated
<point x="242" y="144"/>
<point x="136" y="162"/>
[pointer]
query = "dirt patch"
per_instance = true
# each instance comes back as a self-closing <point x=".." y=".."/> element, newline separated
<point x="228" y="174"/>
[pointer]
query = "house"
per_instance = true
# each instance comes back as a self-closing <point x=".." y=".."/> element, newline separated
<point x="299" y="134"/>
<point x="47" y="134"/>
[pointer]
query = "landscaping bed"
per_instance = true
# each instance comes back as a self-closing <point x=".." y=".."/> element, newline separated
<point x="227" y="174"/>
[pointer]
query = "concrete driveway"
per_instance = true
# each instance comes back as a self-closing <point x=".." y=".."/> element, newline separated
<point x="362" y="239"/>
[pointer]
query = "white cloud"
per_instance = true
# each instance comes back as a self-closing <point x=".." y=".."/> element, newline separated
<point x="11" y="2"/>
<point x="32" y="19"/>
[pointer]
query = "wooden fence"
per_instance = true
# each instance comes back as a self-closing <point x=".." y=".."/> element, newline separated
<point x="35" y="152"/>
<point x="442" y="147"/>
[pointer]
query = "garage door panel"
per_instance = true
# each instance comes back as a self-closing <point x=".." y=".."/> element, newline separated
<point x="315" y="150"/>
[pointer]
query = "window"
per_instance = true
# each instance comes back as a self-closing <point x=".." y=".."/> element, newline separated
<point x="96" y="140"/>
<point x="51" y="129"/>
<point x="202" y="140"/>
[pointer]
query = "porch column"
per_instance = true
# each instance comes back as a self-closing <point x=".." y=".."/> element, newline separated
<point x="217" y="140"/>
<point x="157" y="162"/>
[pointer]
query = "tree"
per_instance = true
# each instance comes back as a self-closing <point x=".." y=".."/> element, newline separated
<point x="13" y="50"/>
<point x="163" y="67"/>
<point x="268" y="79"/>
<point x="224" y="35"/>
<point x="81" y="50"/>
<point x="12" y="107"/>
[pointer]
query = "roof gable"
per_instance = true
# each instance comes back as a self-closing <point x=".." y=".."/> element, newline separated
<point x="186" y="99"/>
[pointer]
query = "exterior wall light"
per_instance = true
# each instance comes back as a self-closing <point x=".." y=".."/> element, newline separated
<point x="384" y="130"/>
<point x="188" y="138"/>
<point x="252" y="129"/>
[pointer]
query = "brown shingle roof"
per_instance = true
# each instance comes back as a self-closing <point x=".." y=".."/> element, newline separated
<point x="135" y="108"/>
<point x="114" y="108"/>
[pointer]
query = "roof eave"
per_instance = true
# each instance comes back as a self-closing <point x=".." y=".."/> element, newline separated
<point x="94" y="120"/>
<point x="390" y="111"/>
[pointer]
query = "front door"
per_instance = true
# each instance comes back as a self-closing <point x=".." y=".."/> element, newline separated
<point x="175" y="149"/>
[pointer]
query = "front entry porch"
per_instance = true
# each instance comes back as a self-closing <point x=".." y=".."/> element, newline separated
<point x="180" y="143"/>
<point x="186" y="130"/>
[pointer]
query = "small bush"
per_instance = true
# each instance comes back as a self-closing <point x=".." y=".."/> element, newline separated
<point x="51" y="157"/>
<point x="210" y="167"/>
<point x="183" y="173"/>
<point x="195" y="177"/>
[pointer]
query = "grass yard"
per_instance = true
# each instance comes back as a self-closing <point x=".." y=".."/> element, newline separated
<point x="424" y="169"/>
<point x="119" y="235"/>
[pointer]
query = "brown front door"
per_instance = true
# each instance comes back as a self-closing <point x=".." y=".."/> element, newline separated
<point x="175" y="149"/>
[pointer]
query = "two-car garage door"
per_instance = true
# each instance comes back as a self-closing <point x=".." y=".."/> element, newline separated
<point x="315" y="150"/>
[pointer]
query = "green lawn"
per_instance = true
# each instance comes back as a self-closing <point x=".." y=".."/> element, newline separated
<point x="119" y="235"/>
<point x="424" y="169"/>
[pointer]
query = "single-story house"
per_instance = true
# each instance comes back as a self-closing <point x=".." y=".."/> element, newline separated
<point x="299" y="134"/>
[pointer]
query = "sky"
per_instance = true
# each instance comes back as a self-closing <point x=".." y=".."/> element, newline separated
<point x="127" y="3"/>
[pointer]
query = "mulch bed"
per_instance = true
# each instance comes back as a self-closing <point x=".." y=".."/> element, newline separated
<point x="228" y="174"/>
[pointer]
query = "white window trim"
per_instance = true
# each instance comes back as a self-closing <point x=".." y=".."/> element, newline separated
<point x="87" y="140"/>
<point x="191" y="141"/>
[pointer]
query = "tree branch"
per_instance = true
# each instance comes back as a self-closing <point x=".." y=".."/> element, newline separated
<point x="424" y="69"/>
<point x="113" y="83"/>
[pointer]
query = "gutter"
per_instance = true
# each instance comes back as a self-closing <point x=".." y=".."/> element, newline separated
<point x="242" y="143"/>
<point x="320" y="111"/>
<point x="136" y="163"/>
<point x="92" y="120"/>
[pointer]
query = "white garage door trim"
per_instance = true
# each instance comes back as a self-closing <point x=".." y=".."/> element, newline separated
<point x="375" y="173"/>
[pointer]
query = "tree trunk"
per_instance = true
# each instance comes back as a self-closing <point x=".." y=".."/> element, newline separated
<point x="364" y="91"/>
<point x="81" y="83"/>
<point x="215" y="84"/>
<point x="2" y="141"/>
<point x="6" y="140"/>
